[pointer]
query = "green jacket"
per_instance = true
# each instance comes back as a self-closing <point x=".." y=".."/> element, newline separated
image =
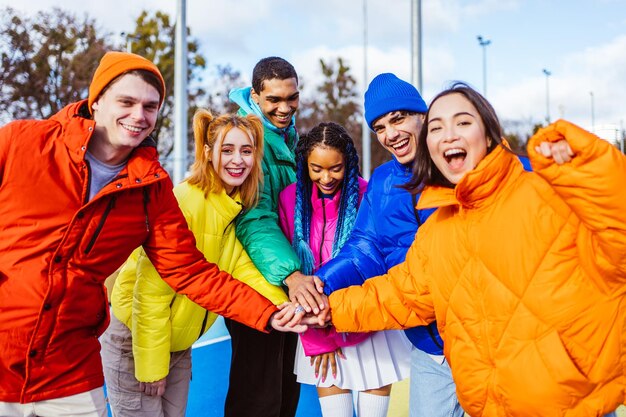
<point x="258" y="229"/>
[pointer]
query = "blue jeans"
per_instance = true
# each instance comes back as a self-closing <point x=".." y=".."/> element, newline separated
<point x="432" y="391"/>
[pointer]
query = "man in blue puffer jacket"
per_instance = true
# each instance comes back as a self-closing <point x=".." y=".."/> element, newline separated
<point x="385" y="228"/>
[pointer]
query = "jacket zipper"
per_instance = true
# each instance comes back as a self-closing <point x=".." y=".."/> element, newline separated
<point x="432" y="336"/>
<point x="146" y="201"/>
<point x="234" y="218"/>
<point x="206" y="317"/>
<point x="88" y="167"/>
<point x="100" y="224"/>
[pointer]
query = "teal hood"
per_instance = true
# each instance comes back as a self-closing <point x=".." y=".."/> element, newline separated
<point x="243" y="98"/>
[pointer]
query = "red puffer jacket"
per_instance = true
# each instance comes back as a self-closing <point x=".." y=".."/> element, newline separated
<point x="56" y="249"/>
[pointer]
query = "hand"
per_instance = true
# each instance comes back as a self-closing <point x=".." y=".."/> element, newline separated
<point x="156" y="388"/>
<point x="320" y="320"/>
<point x="306" y="290"/>
<point x="560" y="151"/>
<point x="288" y="318"/>
<point x="322" y="361"/>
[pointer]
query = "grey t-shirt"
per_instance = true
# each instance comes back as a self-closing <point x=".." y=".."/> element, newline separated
<point x="101" y="173"/>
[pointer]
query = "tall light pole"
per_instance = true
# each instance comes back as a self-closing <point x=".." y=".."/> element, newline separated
<point x="180" y="94"/>
<point x="484" y="43"/>
<point x="547" y="74"/>
<point x="416" y="44"/>
<point x="129" y="40"/>
<point x="593" y="114"/>
<point x="365" y="129"/>
<point x="623" y="142"/>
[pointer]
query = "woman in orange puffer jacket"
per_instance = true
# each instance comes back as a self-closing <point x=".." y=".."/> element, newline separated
<point x="523" y="271"/>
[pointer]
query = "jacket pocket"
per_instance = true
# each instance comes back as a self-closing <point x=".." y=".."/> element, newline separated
<point x="560" y="365"/>
<point x="541" y="379"/>
<point x="96" y="233"/>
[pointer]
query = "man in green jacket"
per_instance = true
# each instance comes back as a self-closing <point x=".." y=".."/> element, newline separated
<point x="256" y="356"/>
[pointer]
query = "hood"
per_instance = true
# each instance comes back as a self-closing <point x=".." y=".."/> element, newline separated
<point x="77" y="109"/>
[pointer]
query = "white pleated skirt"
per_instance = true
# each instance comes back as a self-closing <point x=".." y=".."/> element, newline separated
<point x="381" y="359"/>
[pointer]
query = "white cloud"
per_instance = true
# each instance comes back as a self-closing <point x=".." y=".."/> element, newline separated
<point x="601" y="70"/>
<point x="239" y="33"/>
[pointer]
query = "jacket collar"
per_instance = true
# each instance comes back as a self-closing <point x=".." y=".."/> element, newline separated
<point x="77" y="128"/>
<point x="401" y="169"/>
<point x="229" y="207"/>
<point x="477" y="186"/>
<point x="243" y="98"/>
<point x="316" y="200"/>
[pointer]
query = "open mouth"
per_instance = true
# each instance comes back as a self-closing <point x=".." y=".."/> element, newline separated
<point x="133" y="129"/>
<point x="235" y="172"/>
<point x="455" y="157"/>
<point x="400" y="146"/>
<point x="283" y="118"/>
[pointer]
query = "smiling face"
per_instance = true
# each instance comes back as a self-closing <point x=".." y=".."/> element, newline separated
<point x="125" y="114"/>
<point x="456" y="137"/>
<point x="278" y="100"/>
<point x="327" y="168"/>
<point x="233" y="158"/>
<point x="397" y="132"/>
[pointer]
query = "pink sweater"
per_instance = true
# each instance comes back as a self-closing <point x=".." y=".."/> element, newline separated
<point x="323" y="226"/>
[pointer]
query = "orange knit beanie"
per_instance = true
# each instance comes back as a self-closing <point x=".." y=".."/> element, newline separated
<point x="114" y="64"/>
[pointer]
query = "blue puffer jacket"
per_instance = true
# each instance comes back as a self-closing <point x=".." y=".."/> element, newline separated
<point x="385" y="229"/>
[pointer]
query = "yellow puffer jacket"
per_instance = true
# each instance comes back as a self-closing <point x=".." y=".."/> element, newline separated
<point x="524" y="273"/>
<point x="162" y="321"/>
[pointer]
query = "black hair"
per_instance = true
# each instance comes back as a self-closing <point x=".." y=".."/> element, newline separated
<point x="335" y="136"/>
<point x="425" y="172"/>
<point x="271" y="68"/>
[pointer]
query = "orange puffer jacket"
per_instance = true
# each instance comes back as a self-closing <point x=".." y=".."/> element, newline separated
<point x="524" y="273"/>
<point x="56" y="249"/>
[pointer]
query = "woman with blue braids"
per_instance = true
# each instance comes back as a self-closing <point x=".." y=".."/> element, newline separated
<point x="317" y="213"/>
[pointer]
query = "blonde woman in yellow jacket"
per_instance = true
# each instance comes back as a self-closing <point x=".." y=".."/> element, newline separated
<point x="524" y="272"/>
<point x="147" y="349"/>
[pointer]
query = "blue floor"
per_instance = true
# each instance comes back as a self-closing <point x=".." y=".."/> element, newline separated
<point x="209" y="381"/>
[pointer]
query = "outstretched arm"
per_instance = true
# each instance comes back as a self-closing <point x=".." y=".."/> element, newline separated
<point x="589" y="174"/>
<point x="171" y="248"/>
<point x="360" y="257"/>
<point x="399" y="299"/>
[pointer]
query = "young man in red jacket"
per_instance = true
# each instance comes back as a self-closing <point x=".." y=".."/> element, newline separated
<point x="79" y="192"/>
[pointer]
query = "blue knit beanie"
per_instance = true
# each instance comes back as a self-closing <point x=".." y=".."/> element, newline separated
<point x="387" y="93"/>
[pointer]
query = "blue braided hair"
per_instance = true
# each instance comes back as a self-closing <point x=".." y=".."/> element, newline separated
<point x="334" y="136"/>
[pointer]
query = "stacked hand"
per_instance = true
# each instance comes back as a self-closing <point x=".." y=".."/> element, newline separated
<point x="307" y="291"/>
<point x="288" y="318"/>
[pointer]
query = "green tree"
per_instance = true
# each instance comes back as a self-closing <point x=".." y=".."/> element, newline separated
<point x="337" y="99"/>
<point x="47" y="62"/>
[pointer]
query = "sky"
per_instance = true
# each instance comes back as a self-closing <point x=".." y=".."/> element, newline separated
<point x="581" y="43"/>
